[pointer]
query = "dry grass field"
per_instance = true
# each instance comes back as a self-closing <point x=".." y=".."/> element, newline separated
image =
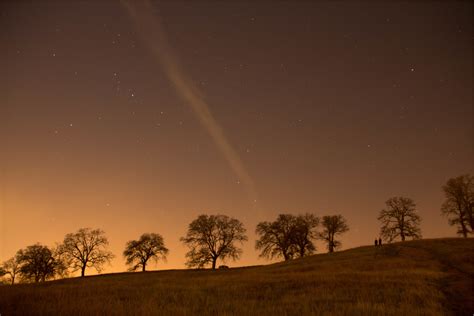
<point x="425" y="277"/>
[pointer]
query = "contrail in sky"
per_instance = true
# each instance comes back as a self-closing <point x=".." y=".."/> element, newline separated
<point x="152" y="33"/>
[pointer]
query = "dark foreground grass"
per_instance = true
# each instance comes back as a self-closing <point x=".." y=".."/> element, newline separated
<point x="426" y="277"/>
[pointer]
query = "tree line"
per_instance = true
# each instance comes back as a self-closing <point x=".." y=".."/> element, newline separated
<point x="219" y="237"/>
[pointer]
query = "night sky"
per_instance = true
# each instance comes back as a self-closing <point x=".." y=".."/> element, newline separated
<point x="137" y="120"/>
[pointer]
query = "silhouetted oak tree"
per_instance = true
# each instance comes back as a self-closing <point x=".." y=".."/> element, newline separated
<point x="38" y="263"/>
<point x="87" y="248"/>
<point x="459" y="203"/>
<point x="333" y="225"/>
<point x="287" y="236"/>
<point x="305" y="233"/>
<point x="210" y="237"/>
<point x="10" y="267"/>
<point x="149" y="246"/>
<point x="277" y="237"/>
<point x="399" y="219"/>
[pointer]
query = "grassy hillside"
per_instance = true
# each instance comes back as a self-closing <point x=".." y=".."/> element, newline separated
<point x="426" y="277"/>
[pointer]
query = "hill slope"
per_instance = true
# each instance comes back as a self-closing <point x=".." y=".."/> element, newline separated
<point x="425" y="277"/>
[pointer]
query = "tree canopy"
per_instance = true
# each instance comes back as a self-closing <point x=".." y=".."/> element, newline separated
<point x="212" y="237"/>
<point x="288" y="236"/>
<point x="11" y="267"/>
<point x="86" y="248"/>
<point x="459" y="203"/>
<point x="139" y="252"/>
<point x="400" y="219"/>
<point x="38" y="263"/>
<point x="333" y="226"/>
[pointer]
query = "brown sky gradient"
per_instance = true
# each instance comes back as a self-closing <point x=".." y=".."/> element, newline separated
<point x="330" y="107"/>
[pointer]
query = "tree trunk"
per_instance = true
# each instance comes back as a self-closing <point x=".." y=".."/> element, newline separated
<point x="214" y="263"/>
<point x="467" y="206"/>
<point x="13" y="280"/>
<point x="462" y="217"/>
<point x="143" y="266"/>
<point x="83" y="270"/>
<point x="331" y="243"/>
<point x="463" y="227"/>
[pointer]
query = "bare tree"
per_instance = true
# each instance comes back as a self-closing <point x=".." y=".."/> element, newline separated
<point x="333" y="225"/>
<point x="459" y="203"/>
<point x="38" y="263"/>
<point x="305" y="233"/>
<point x="87" y="248"/>
<point x="149" y="246"/>
<point x="277" y="237"/>
<point x="400" y="219"/>
<point x="11" y="267"/>
<point x="212" y="237"/>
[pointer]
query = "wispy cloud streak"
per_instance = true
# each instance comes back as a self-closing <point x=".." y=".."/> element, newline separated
<point x="152" y="33"/>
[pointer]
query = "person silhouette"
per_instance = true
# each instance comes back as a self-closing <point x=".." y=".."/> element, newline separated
<point x="375" y="242"/>
<point x="380" y="241"/>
